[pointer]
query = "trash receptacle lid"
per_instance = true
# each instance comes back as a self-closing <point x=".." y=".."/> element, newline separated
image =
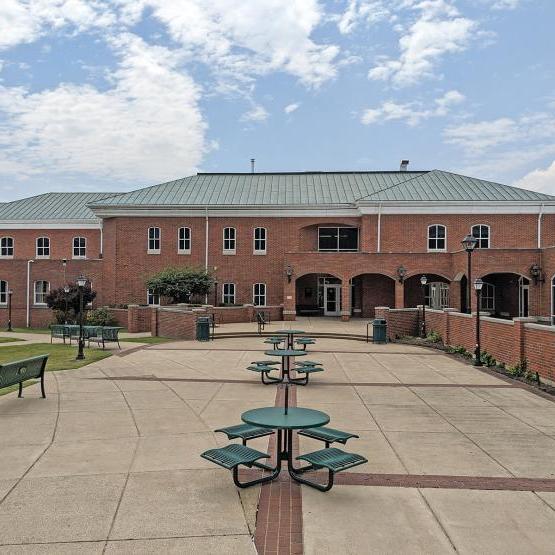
<point x="379" y="322"/>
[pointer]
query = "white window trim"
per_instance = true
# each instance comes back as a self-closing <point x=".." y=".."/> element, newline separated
<point x="234" y="292"/>
<point x="148" y="249"/>
<point x="184" y="251"/>
<point x="552" y="309"/>
<point x="35" y="303"/>
<point x="265" y="294"/>
<point x="229" y="251"/>
<point x="428" y="238"/>
<point x="489" y="233"/>
<point x="42" y="256"/>
<point x="492" y="308"/>
<point x="254" y="249"/>
<point x="148" y="294"/>
<point x="5" y="303"/>
<point x="78" y="257"/>
<point x="338" y="227"/>
<point x="7" y="256"/>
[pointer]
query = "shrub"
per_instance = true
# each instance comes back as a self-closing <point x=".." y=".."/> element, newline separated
<point x="100" y="317"/>
<point x="66" y="305"/>
<point x="459" y="350"/>
<point x="180" y="285"/>
<point x="487" y="359"/>
<point x="519" y="369"/>
<point x="434" y="337"/>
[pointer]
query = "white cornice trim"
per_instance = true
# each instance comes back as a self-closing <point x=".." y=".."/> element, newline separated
<point x="521" y="207"/>
<point x="51" y="224"/>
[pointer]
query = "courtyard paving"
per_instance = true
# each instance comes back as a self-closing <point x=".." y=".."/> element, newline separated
<point x="459" y="460"/>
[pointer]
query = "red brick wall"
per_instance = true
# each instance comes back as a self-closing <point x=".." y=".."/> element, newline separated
<point x="400" y="322"/>
<point x="539" y="349"/>
<point x="377" y="290"/>
<point x="175" y="323"/>
<point x="120" y="315"/>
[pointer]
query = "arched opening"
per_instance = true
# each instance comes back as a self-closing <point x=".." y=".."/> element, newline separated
<point x="318" y="295"/>
<point x="505" y="295"/>
<point x="436" y="291"/>
<point x="369" y="291"/>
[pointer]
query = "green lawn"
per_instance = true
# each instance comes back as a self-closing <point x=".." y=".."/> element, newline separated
<point x="10" y="339"/>
<point x="31" y="330"/>
<point x="61" y="357"/>
<point x="148" y="340"/>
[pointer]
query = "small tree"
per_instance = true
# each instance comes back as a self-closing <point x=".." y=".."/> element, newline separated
<point x="181" y="284"/>
<point x="66" y="305"/>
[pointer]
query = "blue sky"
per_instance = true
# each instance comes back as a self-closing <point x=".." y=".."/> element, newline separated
<point x="120" y="94"/>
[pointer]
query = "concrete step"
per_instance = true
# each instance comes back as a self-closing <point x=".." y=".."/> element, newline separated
<point x="321" y="335"/>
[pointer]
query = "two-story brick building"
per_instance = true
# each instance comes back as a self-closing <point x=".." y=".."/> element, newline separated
<point x="330" y="243"/>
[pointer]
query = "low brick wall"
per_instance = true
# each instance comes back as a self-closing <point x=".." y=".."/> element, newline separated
<point x="539" y="349"/>
<point x="139" y="318"/>
<point x="119" y="315"/>
<point x="174" y="323"/>
<point x="400" y="321"/>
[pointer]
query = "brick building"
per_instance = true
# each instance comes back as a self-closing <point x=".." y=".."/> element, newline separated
<point x="336" y="244"/>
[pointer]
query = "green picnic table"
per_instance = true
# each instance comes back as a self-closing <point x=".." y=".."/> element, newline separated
<point x="290" y="336"/>
<point x="285" y="355"/>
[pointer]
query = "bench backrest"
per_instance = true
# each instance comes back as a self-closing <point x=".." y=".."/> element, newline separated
<point x="110" y="333"/>
<point x="12" y="373"/>
<point x="59" y="330"/>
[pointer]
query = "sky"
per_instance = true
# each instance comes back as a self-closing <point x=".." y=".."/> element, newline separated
<point x="115" y="95"/>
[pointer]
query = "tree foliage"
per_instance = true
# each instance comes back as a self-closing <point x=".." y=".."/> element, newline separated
<point x="66" y="305"/>
<point x="181" y="284"/>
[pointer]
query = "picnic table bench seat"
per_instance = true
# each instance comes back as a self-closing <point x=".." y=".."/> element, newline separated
<point x="264" y="370"/>
<point x="244" y="432"/>
<point x="275" y="341"/>
<point x="265" y="362"/>
<point x="328" y="435"/>
<point x="308" y="363"/>
<point x="233" y="455"/>
<point x="305" y="341"/>
<point x="19" y="371"/>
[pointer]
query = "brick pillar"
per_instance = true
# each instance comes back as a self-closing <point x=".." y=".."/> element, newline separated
<point x="518" y="344"/>
<point x="133" y="318"/>
<point x="455" y="295"/>
<point x="289" y="301"/>
<point x="447" y="326"/>
<point x="154" y="321"/>
<point x="345" y="300"/>
<point x="399" y="294"/>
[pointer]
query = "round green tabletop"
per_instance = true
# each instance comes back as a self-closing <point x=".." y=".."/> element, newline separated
<point x="285" y="353"/>
<point x="290" y="332"/>
<point x="296" y="418"/>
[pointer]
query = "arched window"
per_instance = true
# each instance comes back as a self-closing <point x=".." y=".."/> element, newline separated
<point x="79" y="247"/>
<point x="229" y="240"/>
<point x="3" y="292"/>
<point x="437" y="238"/>
<point x="43" y="247"/>
<point x="259" y="294"/>
<point x="184" y="240"/>
<point x="259" y="240"/>
<point x="153" y="240"/>
<point x="487" y="297"/>
<point x="6" y="247"/>
<point x="42" y="288"/>
<point x="481" y="233"/>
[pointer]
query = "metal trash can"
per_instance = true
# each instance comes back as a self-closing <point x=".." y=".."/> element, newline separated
<point x="379" y="331"/>
<point x="203" y="328"/>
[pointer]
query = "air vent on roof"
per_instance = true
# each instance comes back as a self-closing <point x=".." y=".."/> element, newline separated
<point x="404" y="165"/>
<point x="252" y="165"/>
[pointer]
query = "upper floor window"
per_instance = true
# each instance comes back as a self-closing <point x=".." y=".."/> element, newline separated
<point x="481" y="234"/>
<point x="3" y="292"/>
<point x="184" y="240"/>
<point x="228" y="293"/>
<point x="43" y="247"/>
<point x="259" y="240"/>
<point x="229" y="240"/>
<point x="259" y="294"/>
<point x="437" y="238"/>
<point x="42" y="288"/>
<point x="152" y="297"/>
<point x="487" y="297"/>
<point x="338" y="239"/>
<point x="6" y="246"/>
<point x="153" y="240"/>
<point x="79" y="247"/>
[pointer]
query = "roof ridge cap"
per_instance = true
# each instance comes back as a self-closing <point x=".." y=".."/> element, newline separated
<point x="394" y="185"/>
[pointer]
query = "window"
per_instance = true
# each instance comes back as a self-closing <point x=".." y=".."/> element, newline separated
<point x="437" y="238"/>
<point x="259" y="240"/>
<point x="42" y="288"/>
<point x="338" y="239"/>
<point x="487" y="297"/>
<point x="79" y="247"/>
<point x="3" y="292"/>
<point x="481" y="234"/>
<point x="228" y="293"/>
<point x="229" y="240"/>
<point x="259" y="294"/>
<point x="6" y="246"/>
<point x="152" y="297"/>
<point x="43" y="247"/>
<point x="153" y="240"/>
<point x="437" y="295"/>
<point x="553" y="301"/>
<point x="184" y="240"/>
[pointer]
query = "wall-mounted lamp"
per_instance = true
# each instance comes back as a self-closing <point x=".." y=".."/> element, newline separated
<point x="289" y="273"/>
<point x="401" y="272"/>
<point x="536" y="273"/>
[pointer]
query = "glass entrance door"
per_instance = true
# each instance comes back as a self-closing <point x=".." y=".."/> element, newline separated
<point x="332" y="300"/>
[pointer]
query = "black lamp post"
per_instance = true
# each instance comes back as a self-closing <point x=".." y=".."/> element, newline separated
<point x="478" y="284"/>
<point x="423" y="281"/>
<point x="469" y="244"/>
<point x="81" y="282"/>
<point x="66" y="293"/>
<point x="10" y="293"/>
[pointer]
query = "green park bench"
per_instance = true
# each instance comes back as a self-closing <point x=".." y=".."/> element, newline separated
<point x="59" y="331"/>
<point x="103" y="335"/>
<point x="245" y="432"/>
<point x="328" y="435"/>
<point x="17" y="372"/>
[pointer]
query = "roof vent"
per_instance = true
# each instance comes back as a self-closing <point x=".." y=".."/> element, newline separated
<point x="404" y="165"/>
<point x="252" y="165"/>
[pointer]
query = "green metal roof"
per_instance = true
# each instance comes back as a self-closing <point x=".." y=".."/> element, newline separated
<point x="318" y="188"/>
<point x="52" y="206"/>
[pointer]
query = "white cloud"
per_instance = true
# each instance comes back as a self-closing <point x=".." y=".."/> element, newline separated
<point x="438" y="30"/>
<point x="291" y="107"/>
<point x="256" y="114"/>
<point x="412" y="113"/>
<point x="542" y="180"/>
<point x="505" y="4"/>
<point x="147" y="127"/>
<point x="361" y="11"/>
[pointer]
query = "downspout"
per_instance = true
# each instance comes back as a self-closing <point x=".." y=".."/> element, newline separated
<point x="29" y="262"/>
<point x="540" y="290"/>
<point x="379" y="227"/>
<point x="540" y="216"/>
<point x="101" y="239"/>
<point x="206" y="246"/>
